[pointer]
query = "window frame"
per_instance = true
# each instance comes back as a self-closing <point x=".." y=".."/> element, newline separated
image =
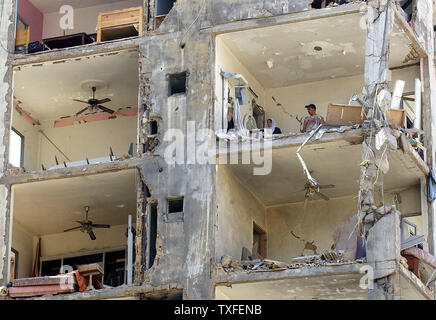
<point x="22" y="148"/>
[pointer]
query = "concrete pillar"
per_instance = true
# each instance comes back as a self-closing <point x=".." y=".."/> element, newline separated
<point x="383" y="255"/>
<point x="7" y="44"/>
<point x="383" y="238"/>
<point x="424" y="20"/>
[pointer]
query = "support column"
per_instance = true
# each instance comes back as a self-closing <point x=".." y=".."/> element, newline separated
<point x="424" y="21"/>
<point x="379" y="223"/>
<point x="7" y="45"/>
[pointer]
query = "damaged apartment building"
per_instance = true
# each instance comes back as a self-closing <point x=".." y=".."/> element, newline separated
<point x="92" y="92"/>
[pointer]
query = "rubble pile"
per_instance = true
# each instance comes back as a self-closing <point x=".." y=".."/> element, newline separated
<point x="327" y="258"/>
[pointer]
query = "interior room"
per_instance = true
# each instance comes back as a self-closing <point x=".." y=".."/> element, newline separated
<point x="272" y="217"/>
<point x="59" y="121"/>
<point x="46" y="232"/>
<point x="52" y="25"/>
<point x="323" y="64"/>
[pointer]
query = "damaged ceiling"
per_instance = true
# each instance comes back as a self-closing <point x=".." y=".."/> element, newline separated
<point x="48" y="96"/>
<point x="286" y="182"/>
<point x="51" y="206"/>
<point x="283" y="55"/>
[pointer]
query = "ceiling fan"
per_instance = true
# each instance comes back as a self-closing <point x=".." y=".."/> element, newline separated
<point x="86" y="226"/>
<point x="94" y="104"/>
<point x="312" y="190"/>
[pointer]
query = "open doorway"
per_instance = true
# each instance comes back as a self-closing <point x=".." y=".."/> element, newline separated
<point x="259" y="242"/>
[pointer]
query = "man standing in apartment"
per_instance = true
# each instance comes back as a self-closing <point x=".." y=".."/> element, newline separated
<point x="313" y="120"/>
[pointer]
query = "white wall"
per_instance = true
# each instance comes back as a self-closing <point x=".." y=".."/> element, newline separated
<point x="236" y="212"/>
<point x="85" y="19"/>
<point x="227" y="62"/>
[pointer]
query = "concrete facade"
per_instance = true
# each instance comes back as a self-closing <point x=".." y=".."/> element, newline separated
<point x="218" y="211"/>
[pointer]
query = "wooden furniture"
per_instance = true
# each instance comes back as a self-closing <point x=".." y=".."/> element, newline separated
<point x="350" y="115"/>
<point x="119" y="24"/>
<point x="23" y="38"/>
<point x="89" y="270"/>
<point x="67" y="41"/>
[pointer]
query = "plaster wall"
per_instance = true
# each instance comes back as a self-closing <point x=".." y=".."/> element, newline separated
<point x="22" y="241"/>
<point x="227" y="62"/>
<point x="59" y="244"/>
<point x="78" y="142"/>
<point x="31" y="140"/>
<point x="32" y="17"/>
<point x="319" y="222"/>
<point x="76" y="241"/>
<point x="321" y="93"/>
<point x="85" y="19"/>
<point x="294" y="98"/>
<point x="236" y="212"/>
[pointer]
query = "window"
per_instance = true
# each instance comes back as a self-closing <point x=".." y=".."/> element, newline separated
<point x="175" y="205"/>
<point x="177" y="83"/>
<point x="152" y="226"/>
<point x="16" y="148"/>
<point x="164" y="6"/>
<point x="153" y="127"/>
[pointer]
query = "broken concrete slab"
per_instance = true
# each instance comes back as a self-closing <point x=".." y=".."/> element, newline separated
<point x="383" y="245"/>
<point x="345" y="237"/>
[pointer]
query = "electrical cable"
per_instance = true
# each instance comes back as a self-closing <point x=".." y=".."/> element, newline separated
<point x="195" y="20"/>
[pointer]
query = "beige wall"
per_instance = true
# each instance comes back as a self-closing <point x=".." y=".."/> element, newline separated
<point x="22" y="241"/>
<point x="319" y="222"/>
<point x="78" y="142"/>
<point x="227" y="62"/>
<point x="75" y="241"/>
<point x="321" y="93"/>
<point x="85" y="19"/>
<point x="294" y="98"/>
<point x="90" y="140"/>
<point x="237" y="209"/>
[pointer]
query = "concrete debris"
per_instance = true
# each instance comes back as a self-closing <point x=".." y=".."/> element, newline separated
<point x="327" y="258"/>
<point x="226" y="261"/>
<point x="331" y="255"/>
<point x="229" y="264"/>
